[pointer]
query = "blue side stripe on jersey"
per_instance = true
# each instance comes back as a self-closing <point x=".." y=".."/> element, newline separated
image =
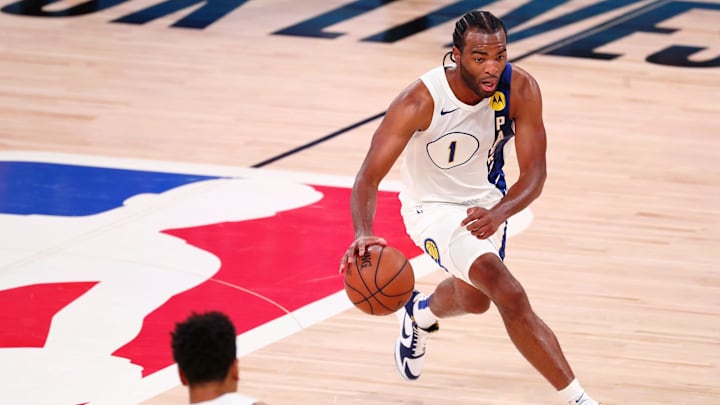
<point x="496" y="175"/>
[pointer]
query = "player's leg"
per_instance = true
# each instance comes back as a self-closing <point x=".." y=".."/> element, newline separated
<point x="528" y="332"/>
<point x="453" y="297"/>
<point x="532" y="337"/>
<point x="433" y="228"/>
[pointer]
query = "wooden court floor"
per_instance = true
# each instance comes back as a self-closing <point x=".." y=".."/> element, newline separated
<point x="621" y="258"/>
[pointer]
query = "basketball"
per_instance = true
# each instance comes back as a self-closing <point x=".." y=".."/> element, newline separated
<point x="381" y="281"/>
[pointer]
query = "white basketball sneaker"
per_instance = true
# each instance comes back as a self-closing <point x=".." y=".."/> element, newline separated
<point x="584" y="400"/>
<point x="410" y="345"/>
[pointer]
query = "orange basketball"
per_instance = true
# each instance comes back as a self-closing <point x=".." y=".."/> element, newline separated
<point x="381" y="281"/>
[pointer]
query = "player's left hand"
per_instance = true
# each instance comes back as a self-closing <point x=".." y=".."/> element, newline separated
<point x="357" y="248"/>
<point x="482" y="223"/>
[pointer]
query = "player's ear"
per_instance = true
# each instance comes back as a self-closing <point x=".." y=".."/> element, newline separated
<point x="182" y="377"/>
<point x="455" y="54"/>
<point x="235" y="370"/>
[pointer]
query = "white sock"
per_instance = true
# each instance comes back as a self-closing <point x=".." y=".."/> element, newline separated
<point x="422" y="314"/>
<point x="574" y="394"/>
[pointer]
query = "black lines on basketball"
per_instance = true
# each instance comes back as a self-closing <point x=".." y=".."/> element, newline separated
<point x="381" y="281"/>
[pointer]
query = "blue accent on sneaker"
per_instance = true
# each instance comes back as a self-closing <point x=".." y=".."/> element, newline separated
<point x="424" y="303"/>
<point x="410" y="345"/>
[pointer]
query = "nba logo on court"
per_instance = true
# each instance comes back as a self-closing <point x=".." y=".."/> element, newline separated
<point x="100" y="260"/>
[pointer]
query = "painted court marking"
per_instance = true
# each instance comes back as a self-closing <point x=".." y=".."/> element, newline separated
<point x="208" y="235"/>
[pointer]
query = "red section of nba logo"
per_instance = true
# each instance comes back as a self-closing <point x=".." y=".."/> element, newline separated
<point x="270" y="266"/>
<point x="28" y="311"/>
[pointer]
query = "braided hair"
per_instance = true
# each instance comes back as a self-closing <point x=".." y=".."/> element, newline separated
<point x="481" y="21"/>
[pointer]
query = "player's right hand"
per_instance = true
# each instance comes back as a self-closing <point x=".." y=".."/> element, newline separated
<point x="358" y="248"/>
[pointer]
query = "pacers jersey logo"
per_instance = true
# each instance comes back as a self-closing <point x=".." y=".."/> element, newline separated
<point x="497" y="101"/>
<point x="431" y="248"/>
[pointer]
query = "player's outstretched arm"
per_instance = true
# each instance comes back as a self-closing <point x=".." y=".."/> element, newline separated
<point x="410" y="111"/>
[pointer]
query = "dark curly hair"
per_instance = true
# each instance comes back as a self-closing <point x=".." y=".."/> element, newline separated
<point x="204" y="347"/>
<point x="481" y="21"/>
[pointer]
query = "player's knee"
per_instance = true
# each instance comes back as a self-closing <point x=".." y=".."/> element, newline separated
<point x="485" y="272"/>
<point x="490" y="275"/>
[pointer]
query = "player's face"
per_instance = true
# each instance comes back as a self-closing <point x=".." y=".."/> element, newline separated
<point x="482" y="61"/>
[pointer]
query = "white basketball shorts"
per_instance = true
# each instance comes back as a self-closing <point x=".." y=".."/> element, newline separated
<point x="436" y="229"/>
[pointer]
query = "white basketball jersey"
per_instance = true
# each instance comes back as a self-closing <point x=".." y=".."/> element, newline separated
<point x="458" y="158"/>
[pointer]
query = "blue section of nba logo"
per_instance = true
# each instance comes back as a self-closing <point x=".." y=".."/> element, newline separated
<point x="28" y="188"/>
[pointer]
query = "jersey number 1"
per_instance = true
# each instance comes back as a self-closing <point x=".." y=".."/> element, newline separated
<point x="451" y="157"/>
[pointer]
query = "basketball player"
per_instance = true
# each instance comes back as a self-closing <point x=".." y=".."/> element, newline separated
<point x="204" y="348"/>
<point x="454" y="123"/>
